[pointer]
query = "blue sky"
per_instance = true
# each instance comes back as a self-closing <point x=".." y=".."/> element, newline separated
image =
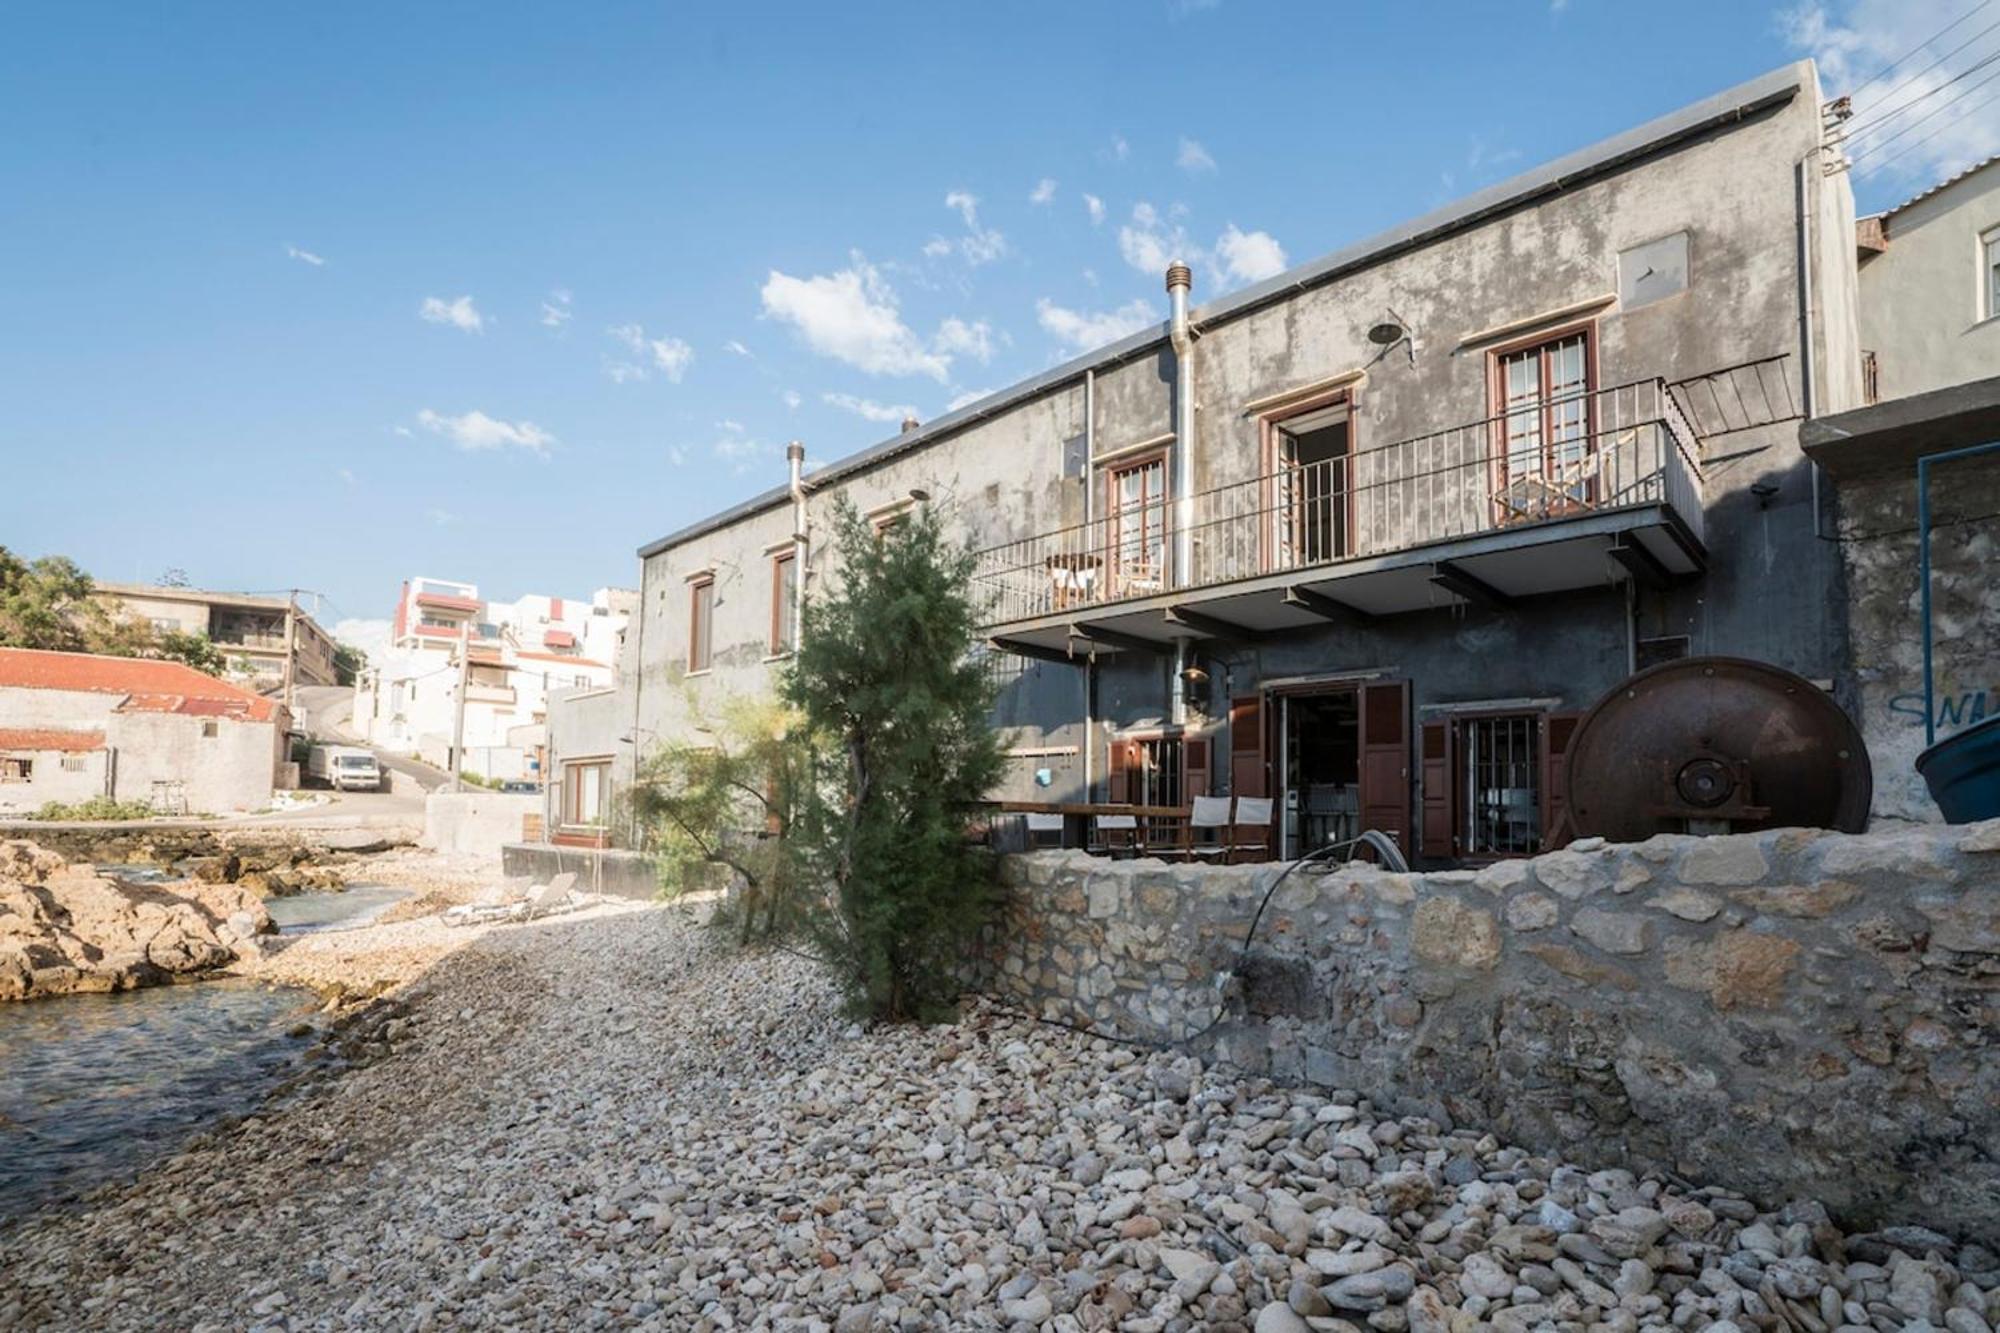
<point x="326" y="296"/>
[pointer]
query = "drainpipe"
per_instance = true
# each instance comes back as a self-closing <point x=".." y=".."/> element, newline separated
<point x="795" y="459"/>
<point x="1181" y="469"/>
<point x="1089" y="486"/>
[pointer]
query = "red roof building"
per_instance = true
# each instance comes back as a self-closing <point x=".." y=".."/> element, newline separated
<point x="149" y="686"/>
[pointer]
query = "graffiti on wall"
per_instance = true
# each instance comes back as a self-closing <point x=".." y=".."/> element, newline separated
<point x="1955" y="708"/>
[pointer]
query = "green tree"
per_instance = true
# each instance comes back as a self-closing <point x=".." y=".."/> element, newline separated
<point x="900" y="715"/>
<point x="195" y="650"/>
<point x="45" y="603"/>
<point x="725" y="808"/>
<point x="348" y="662"/>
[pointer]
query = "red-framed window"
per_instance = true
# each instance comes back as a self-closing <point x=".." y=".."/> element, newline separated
<point x="1545" y="436"/>
<point x="701" y="622"/>
<point x="784" y="602"/>
<point x="1135" y="504"/>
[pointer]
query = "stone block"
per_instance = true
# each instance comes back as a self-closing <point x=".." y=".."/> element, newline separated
<point x="1103" y="892"/>
<point x="1447" y="931"/>
<point x="1578" y="967"/>
<point x="1614" y="932"/>
<point x="1980" y="837"/>
<point x="1809" y="901"/>
<point x="1737" y="969"/>
<point x="1503" y="877"/>
<point x="1574" y="875"/>
<point x="1919" y="855"/>
<point x="1724" y="861"/>
<point x="1687" y="904"/>
<point x="1532" y="911"/>
<point x="1967" y="922"/>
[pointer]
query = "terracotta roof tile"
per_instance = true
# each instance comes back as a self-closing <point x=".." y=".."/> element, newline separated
<point x="150" y="686"/>
<point x="50" y="738"/>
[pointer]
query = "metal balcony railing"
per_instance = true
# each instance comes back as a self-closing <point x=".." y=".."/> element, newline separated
<point x="1585" y="453"/>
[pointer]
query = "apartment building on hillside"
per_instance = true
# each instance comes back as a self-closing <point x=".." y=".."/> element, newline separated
<point x="516" y="654"/>
<point x="1930" y="286"/>
<point x="1367" y="537"/>
<point x="266" y="641"/>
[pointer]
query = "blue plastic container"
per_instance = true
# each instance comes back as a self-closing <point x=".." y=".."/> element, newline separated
<point x="1963" y="773"/>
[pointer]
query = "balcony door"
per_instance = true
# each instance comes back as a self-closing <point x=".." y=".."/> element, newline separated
<point x="1312" y="493"/>
<point x="1546" y="445"/>
<point x="1136" y="506"/>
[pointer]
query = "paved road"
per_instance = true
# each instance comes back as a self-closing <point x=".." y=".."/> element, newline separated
<point x="325" y="710"/>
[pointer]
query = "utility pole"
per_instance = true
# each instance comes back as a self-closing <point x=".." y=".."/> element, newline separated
<point x="291" y="650"/>
<point x="458" y="705"/>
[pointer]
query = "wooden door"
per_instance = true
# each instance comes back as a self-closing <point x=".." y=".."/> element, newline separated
<point x="1249" y="771"/>
<point x="1557" y="729"/>
<point x="1438" y="824"/>
<point x="1118" y="773"/>
<point x="1194" y="768"/>
<point x="1385" y="760"/>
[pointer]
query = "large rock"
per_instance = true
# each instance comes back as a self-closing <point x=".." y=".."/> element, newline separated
<point x="66" y="929"/>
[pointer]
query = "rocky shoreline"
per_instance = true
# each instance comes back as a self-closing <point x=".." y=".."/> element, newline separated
<point x="66" y="930"/>
<point x="613" y="1122"/>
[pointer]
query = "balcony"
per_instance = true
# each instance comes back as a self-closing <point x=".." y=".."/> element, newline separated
<point x="478" y="693"/>
<point x="1562" y="495"/>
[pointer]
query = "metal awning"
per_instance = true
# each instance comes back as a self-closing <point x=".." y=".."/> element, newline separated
<point x="1644" y="542"/>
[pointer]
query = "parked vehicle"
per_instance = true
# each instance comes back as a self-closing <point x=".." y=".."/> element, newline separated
<point x="521" y="787"/>
<point x="344" y="768"/>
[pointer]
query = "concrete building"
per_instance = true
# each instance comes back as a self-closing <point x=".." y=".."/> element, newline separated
<point x="267" y="640"/>
<point x="1367" y="536"/>
<point x="518" y="653"/>
<point x="74" y="726"/>
<point x="1930" y="286"/>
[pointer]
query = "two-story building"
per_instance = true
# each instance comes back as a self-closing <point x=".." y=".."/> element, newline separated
<point x="1367" y="536"/>
<point x="267" y="643"/>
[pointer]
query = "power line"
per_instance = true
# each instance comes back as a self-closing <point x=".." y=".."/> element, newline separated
<point x="1940" y="107"/>
<point x="1915" y="144"/>
<point x="1877" y="123"/>
<point x="1875" y="117"/>
<point x="1877" y="75"/>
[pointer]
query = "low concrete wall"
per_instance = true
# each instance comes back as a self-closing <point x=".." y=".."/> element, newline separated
<point x="620" y="874"/>
<point x="1789" y="1014"/>
<point x="477" y="822"/>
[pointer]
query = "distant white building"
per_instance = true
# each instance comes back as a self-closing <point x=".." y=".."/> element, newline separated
<point x="516" y="654"/>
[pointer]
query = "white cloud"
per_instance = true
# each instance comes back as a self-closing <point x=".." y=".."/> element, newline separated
<point x="1148" y="244"/>
<point x="1082" y="330"/>
<point x="370" y="636"/>
<point x="1119" y="149"/>
<point x="346" y="474"/>
<point x="937" y="247"/>
<point x="555" y="310"/>
<point x="979" y="245"/>
<point x="1044" y="191"/>
<point x="1248" y="256"/>
<point x="962" y="339"/>
<point x="442" y="518"/>
<point x="677" y="455"/>
<point x="1193" y="158"/>
<point x="305" y="256"/>
<point x="670" y="356"/>
<point x="460" y="313"/>
<point x="1854" y="40"/>
<point x="852" y="316"/>
<point x="967" y="399"/>
<point x="792" y="399"/>
<point x="1095" y="207"/>
<point x="736" y="446"/>
<point x="738" y="348"/>
<point x="474" y="431"/>
<point x="869" y="409"/>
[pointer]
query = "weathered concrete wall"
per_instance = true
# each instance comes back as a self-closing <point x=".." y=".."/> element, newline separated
<point x="475" y="822"/>
<point x="1885" y="624"/>
<point x="1791" y="1014"/>
<point x="49" y="780"/>
<point x="1923" y="306"/>
<point x="620" y="874"/>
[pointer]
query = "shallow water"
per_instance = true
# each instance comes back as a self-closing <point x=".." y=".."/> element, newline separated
<point x="93" y="1087"/>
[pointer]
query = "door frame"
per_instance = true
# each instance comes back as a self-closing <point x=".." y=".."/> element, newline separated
<point x="1270" y="426"/>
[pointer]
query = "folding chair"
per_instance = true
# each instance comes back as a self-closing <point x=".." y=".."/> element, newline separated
<point x="1112" y="834"/>
<point x="1210" y="813"/>
<point x="1041" y="822"/>
<point x="1253" y="813"/>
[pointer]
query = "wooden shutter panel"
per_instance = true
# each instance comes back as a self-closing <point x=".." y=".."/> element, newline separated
<point x="1435" y="775"/>
<point x="1557" y="729"/>
<point x="1118" y="778"/>
<point x="1385" y="760"/>
<point x="1194" y="768"/>
<point x="1248" y="775"/>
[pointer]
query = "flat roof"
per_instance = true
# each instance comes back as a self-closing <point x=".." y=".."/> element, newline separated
<point x="1552" y="178"/>
<point x="1890" y="437"/>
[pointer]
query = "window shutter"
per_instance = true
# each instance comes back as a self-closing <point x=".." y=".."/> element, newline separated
<point x="1435" y="775"/>
<point x="1557" y="729"/>
<point x="1385" y="760"/>
<point x="1194" y="768"/>
<point x="1247" y="772"/>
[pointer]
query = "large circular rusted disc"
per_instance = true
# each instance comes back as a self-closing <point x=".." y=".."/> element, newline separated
<point x="1669" y="735"/>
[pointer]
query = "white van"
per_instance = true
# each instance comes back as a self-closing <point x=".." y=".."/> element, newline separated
<point x="344" y="768"/>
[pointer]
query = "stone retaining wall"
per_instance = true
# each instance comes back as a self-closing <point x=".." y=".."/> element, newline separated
<point x="1793" y="1014"/>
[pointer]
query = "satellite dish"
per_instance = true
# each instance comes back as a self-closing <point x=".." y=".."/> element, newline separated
<point x="1386" y="333"/>
<point x="1715" y="745"/>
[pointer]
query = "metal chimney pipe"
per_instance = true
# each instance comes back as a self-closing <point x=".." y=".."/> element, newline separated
<point x="1180" y="465"/>
<point x="795" y="460"/>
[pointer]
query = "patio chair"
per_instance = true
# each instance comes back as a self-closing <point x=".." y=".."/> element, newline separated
<point x="1113" y="834"/>
<point x="1250" y="830"/>
<point x="548" y="899"/>
<point x="1208" y="821"/>
<point x="1041" y="823"/>
<point x="494" y="904"/>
